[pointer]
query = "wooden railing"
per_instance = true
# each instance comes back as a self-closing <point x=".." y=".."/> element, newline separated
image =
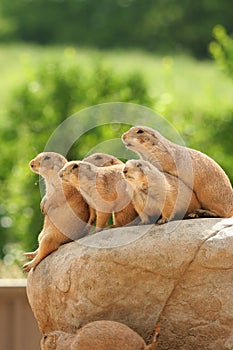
<point x="18" y="327"/>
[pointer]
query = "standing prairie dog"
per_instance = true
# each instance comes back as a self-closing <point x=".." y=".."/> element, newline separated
<point x="66" y="212"/>
<point x="104" y="189"/>
<point x="99" y="160"/>
<point x="98" y="335"/>
<point x="156" y="193"/>
<point x="198" y="171"/>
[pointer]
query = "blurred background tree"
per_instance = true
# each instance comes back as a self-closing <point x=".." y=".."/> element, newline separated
<point x="222" y="50"/>
<point x="153" y="25"/>
<point x="60" y="56"/>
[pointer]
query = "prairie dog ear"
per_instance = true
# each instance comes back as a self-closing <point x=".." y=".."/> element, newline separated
<point x="140" y="131"/>
<point x="79" y="168"/>
<point x="48" y="342"/>
<point x="61" y="162"/>
<point x="56" y="164"/>
<point x="72" y="165"/>
<point x="88" y="166"/>
<point x="75" y="166"/>
<point x="139" y="165"/>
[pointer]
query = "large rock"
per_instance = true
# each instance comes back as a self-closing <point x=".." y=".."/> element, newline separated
<point x="179" y="275"/>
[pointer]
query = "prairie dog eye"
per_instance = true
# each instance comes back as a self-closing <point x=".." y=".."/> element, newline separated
<point x="140" y="131"/>
<point x="98" y="157"/>
<point x="75" y="166"/>
<point x="47" y="158"/>
<point x="139" y="165"/>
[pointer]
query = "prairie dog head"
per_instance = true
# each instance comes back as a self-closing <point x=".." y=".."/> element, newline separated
<point x="141" y="139"/>
<point x="135" y="171"/>
<point x="54" y="340"/>
<point x="102" y="159"/>
<point x="76" y="172"/>
<point x="145" y="177"/>
<point x="49" y="341"/>
<point x="47" y="163"/>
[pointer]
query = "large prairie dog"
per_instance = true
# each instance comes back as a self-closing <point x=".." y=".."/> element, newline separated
<point x="66" y="212"/>
<point x="209" y="182"/>
<point x="156" y="193"/>
<point x="98" y="335"/>
<point x="104" y="189"/>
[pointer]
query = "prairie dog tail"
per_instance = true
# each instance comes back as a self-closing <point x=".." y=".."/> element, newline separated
<point x="153" y="343"/>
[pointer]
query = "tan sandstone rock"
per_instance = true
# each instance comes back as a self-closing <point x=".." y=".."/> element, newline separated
<point x="179" y="275"/>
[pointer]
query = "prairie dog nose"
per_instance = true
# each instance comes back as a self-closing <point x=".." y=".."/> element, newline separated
<point x="32" y="163"/>
<point x="124" y="136"/>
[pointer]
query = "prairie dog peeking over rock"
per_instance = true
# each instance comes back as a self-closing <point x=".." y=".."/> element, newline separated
<point x="156" y="193"/>
<point x="209" y="182"/>
<point x="98" y="335"/>
<point x="104" y="189"/>
<point x="66" y="212"/>
<point x="102" y="159"/>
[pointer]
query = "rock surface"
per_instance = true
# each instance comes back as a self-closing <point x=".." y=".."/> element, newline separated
<point x="179" y="275"/>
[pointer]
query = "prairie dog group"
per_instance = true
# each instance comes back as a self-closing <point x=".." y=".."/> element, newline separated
<point x="68" y="215"/>
<point x="98" y="335"/>
<point x="169" y="182"/>
<point x="104" y="189"/>
<point x="209" y="182"/>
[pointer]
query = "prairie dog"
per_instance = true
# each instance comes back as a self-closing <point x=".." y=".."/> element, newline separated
<point x="102" y="159"/>
<point x="156" y="193"/>
<point x="66" y="212"/>
<point x="98" y="335"/>
<point x="104" y="189"/>
<point x="209" y="182"/>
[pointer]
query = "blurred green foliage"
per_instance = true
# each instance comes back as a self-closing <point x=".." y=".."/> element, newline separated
<point x="222" y="49"/>
<point x="55" y="91"/>
<point x="158" y="25"/>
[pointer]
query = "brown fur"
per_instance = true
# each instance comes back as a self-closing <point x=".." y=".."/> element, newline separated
<point x="104" y="189"/>
<point x="99" y="160"/>
<point x="66" y="212"/>
<point x="102" y="159"/>
<point x="209" y="182"/>
<point x="158" y="194"/>
<point x="98" y="335"/>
